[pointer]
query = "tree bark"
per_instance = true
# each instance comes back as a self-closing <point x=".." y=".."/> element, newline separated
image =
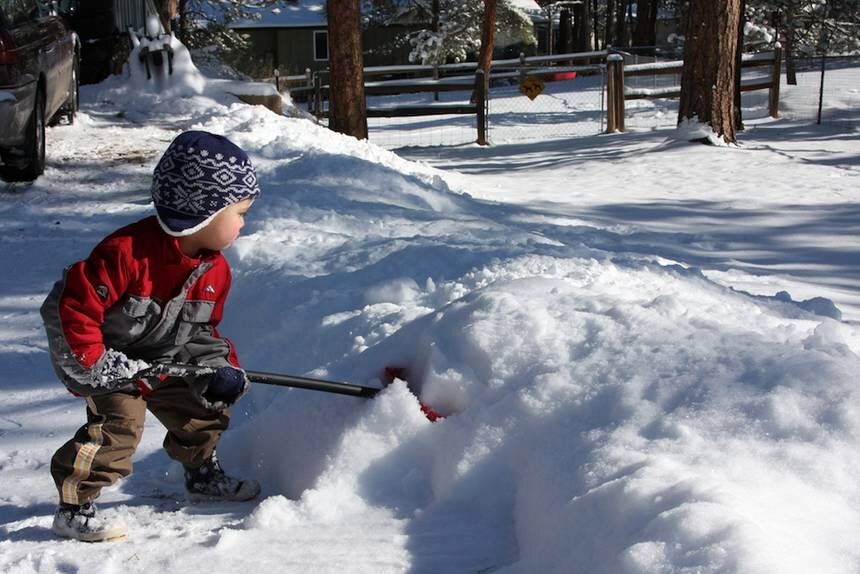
<point x="645" y="33"/>
<point x="708" y="77"/>
<point x="581" y="31"/>
<point x="788" y="48"/>
<point x="488" y="35"/>
<point x="739" y="52"/>
<point x="609" y="26"/>
<point x="347" y="106"/>
<point x="183" y="21"/>
<point x="565" y="32"/>
<point x="620" y="36"/>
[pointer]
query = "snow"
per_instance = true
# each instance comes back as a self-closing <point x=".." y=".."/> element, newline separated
<point x="646" y="348"/>
<point x="303" y="14"/>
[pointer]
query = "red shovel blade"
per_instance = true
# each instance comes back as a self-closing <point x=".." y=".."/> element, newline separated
<point x="392" y="372"/>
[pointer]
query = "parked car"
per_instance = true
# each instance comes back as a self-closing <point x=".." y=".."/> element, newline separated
<point x="39" y="63"/>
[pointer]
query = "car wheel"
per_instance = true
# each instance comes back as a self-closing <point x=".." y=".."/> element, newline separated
<point x="71" y="105"/>
<point x="34" y="145"/>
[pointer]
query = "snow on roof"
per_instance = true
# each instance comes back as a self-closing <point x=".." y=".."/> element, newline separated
<point x="526" y="5"/>
<point x="301" y="14"/>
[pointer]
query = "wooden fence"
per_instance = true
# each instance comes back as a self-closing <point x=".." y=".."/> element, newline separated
<point x="466" y="77"/>
<point x="617" y="93"/>
<point x="395" y="80"/>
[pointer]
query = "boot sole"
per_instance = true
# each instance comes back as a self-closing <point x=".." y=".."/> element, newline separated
<point x="251" y="494"/>
<point x="113" y="535"/>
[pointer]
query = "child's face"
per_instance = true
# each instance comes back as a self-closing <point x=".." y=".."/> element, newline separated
<point x="224" y="229"/>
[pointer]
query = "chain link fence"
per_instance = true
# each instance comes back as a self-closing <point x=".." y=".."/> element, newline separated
<point x="838" y="97"/>
<point x="568" y="102"/>
<point x="574" y="105"/>
<point x="569" y="106"/>
<point x="421" y="131"/>
<point x="837" y="90"/>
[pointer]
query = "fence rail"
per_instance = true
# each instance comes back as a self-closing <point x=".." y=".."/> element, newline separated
<point x="609" y="75"/>
<point x="618" y="92"/>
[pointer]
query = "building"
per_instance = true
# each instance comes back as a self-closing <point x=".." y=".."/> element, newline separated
<point x="293" y="37"/>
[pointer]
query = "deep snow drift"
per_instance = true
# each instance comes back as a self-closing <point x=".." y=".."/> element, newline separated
<point x="613" y="408"/>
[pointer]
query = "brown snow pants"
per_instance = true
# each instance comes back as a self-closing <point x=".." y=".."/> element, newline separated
<point x="100" y="452"/>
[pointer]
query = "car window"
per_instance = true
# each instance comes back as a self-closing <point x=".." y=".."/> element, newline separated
<point x="17" y="11"/>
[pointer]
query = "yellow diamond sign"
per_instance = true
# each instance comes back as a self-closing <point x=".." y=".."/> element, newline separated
<point x="532" y="86"/>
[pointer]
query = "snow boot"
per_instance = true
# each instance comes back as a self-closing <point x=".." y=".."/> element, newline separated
<point x="209" y="482"/>
<point x="84" y="522"/>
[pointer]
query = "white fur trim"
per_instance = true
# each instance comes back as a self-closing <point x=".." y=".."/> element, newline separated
<point x="190" y="230"/>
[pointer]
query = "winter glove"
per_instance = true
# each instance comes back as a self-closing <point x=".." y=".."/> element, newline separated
<point x="114" y="371"/>
<point x="221" y="388"/>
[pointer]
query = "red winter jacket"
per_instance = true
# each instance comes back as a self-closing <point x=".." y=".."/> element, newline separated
<point x="139" y="294"/>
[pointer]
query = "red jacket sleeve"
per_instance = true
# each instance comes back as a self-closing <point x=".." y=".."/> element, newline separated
<point x="90" y="288"/>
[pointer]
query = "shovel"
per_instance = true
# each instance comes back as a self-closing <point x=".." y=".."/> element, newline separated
<point x="281" y="380"/>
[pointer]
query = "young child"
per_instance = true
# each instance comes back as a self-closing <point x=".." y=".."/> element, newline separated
<point x="153" y="293"/>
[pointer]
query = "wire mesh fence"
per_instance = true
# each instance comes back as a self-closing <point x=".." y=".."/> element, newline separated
<point x="837" y="90"/>
<point x="574" y="104"/>
<point x="570" y="106"/>
<point x="438" y="130"/>
<point x="798" y="102"/>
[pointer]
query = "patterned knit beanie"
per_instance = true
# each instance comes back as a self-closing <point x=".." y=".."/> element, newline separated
<point x="198" y="176"/>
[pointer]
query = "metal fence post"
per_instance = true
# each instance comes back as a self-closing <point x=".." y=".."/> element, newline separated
<point x="773" y="93"/>
<point x="615" y="93"/>
<point x="522" y="67"/>
<point x="481" y="106"/>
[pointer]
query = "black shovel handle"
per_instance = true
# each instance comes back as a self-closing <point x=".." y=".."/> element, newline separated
<point x="311" y="383"/>
<point x="177" y="369"/>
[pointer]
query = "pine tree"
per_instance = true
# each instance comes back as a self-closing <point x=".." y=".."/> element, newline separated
<point x="205" y="23"/>
<point x="453" y="27"/>
<point x="708" y="78"/>
<point x="804" y="23"/>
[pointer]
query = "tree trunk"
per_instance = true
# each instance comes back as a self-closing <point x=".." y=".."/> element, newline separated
<point x="708" y="78"/>
<point x="620" y="36"/>
<point x="183" y="21"/>
<point x="581" y="35"/>
<point x="645" y="33"/>
<point x="347" y="106"/>
<point x="488" y="34"/>
<point x="609" y="26"/>
<point x="788" y="49"/>
<point x="167" y="10"/>
<point x="596" y="25"/>
<point x="565" y="32"/>
<point x="739" y="52"/>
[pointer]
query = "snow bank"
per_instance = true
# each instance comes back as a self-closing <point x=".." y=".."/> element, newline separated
<point x="605" y="411"/>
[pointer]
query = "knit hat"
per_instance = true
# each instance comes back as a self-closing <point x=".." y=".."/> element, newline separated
<point x="198" y="176"/>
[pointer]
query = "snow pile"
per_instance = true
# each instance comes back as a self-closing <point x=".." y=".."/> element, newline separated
<point x="163" y="64"/>
<point x="607" y="411"/>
